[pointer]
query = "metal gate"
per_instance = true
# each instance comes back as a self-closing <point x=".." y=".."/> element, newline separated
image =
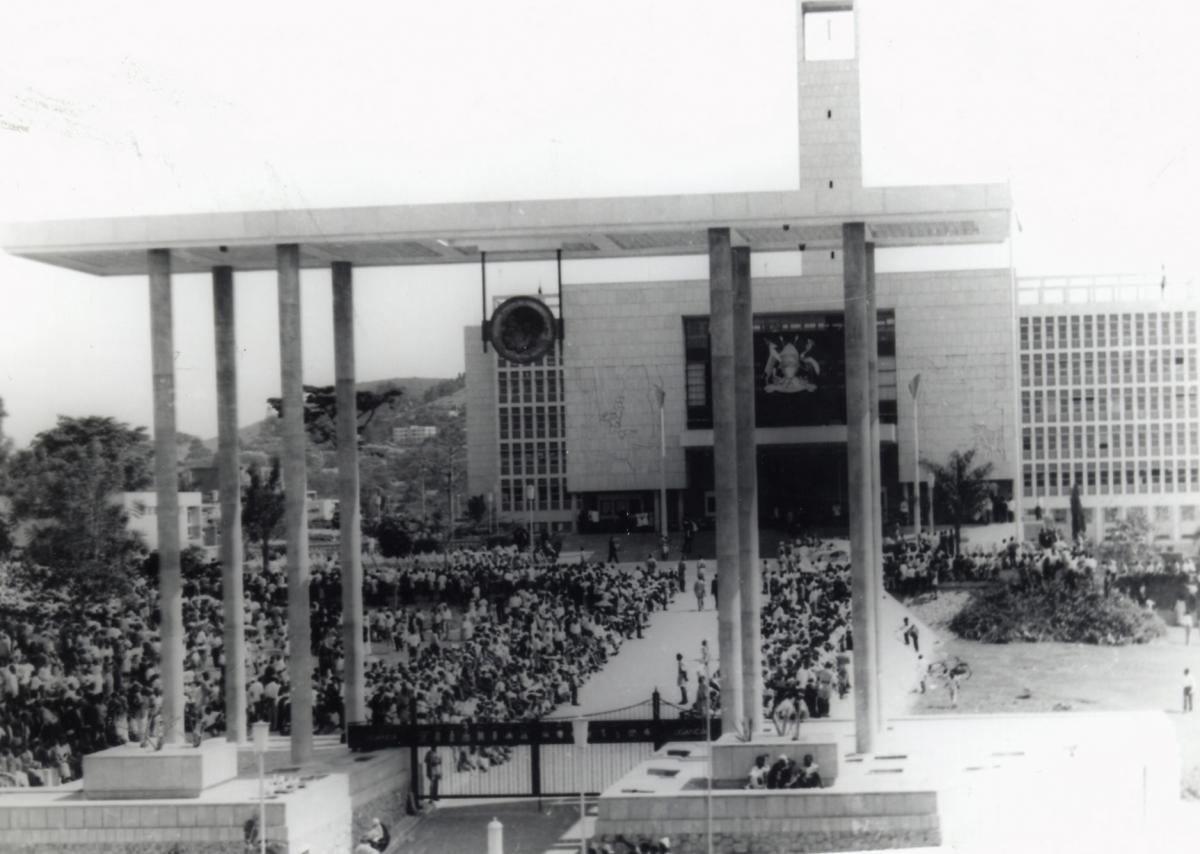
<point x="535" y="758"/>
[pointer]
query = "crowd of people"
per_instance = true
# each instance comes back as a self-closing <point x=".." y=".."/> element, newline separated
<point x="482" y="635"/>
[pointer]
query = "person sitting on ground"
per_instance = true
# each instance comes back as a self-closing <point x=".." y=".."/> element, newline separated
<point x="777" y="768"/>
<point x="376" y="839"/>
<point x="808" y="774"/>
<point x="758" y="773"/>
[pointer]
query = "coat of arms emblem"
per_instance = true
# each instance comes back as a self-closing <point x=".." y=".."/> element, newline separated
<point x="789" y="369"/>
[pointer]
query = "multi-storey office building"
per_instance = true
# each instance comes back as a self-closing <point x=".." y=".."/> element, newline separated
<point x="1109" y="400"/>
<point x="623" y="408"/>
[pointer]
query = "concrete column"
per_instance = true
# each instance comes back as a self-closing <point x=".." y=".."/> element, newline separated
<point x="229" y="483"/>
<point x="166" y="487"/>
<point x="720" y="271"/>
<point x="353" y="678"/>
<point x="295" y="485"/>
<point x="862" y="502"/>
<point x="750" y="573"/>
<point x="876" y="480"/>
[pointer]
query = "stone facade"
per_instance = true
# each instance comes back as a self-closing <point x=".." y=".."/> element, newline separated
<point x="954" y="328"/>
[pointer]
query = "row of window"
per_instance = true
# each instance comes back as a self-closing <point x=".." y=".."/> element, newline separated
<point x="537" y="386"/>
<point x="1110" y="404"/>
<point x="1108" y="368"/>
<point x="1160" y="514"/>
<point x="531" y="422"/>
<point x="550" y="360"/>
<point x="1102" y="478"/>
<point x="1102" y="441"/>
<point x="1129" y="329"/>
<point x="532" y="458"/>
<point x="551" y="494"/>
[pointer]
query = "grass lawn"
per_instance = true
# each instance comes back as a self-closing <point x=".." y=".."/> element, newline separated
<point x="1042" y="677"/>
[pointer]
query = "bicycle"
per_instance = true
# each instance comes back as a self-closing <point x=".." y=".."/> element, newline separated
<point x="944" y="668"/>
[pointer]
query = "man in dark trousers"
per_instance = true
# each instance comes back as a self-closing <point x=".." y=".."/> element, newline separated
<point x="681" y="678"/>
<point x="613" y="551"/>
<point x="433" y="773"/>
<point x="681" y="576"/>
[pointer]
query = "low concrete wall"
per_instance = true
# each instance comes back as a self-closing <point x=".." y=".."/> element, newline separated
<point x="772" y="822"/>
<point x="132" y="772"/>
<point x="316" y="818"/>
<point x="733" y="761"/>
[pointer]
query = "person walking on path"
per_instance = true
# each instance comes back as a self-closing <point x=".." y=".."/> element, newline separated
<point x="681" y="678"/>
<point x="1189" y="689"/>
<point x="681" y="576"/>
<point x="613" y="549"/>
<point x="433" y="772"/>
<point x="714" y="591"/>
<point x="698" y="589"/>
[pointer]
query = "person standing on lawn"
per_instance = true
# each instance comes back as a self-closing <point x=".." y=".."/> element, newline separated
<point x="1189" y="689"/>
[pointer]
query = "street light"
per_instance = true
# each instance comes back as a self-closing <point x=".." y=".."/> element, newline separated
<point x="705" y="659"/>
<point x="530" y="497"/>
<point x="579" y="730"/>
<point x="262" y="732"/>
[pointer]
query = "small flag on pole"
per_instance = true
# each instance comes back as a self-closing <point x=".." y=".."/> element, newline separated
<point x="914" y="385"/>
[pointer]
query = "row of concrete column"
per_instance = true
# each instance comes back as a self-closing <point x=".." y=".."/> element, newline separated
<point x="300" y="662"/>
<point x="735" y="475"/>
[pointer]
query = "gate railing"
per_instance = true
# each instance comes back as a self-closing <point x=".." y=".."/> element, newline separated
<point x="534" y="758"/>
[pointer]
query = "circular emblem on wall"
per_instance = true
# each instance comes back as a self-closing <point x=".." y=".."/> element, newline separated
<point x="523" y="329"/>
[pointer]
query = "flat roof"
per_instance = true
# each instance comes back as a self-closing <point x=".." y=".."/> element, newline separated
<point x="456" y="233"/>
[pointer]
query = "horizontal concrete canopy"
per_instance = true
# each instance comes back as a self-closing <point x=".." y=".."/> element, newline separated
<point x="457" y="233"/>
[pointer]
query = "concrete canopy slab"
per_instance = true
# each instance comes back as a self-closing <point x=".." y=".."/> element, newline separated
<point x="457" y="233"/>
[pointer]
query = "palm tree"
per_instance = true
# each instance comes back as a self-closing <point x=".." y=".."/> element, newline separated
<point x="964" y="488"/>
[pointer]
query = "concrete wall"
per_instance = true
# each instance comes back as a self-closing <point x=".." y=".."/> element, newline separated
<point x="775" y="822"/>
<point x="625" y="339"/>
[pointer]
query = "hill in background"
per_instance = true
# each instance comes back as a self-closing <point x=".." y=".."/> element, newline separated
<point x="444" y="393"/>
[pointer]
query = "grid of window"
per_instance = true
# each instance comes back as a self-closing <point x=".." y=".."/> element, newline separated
<point x="1110" y="401"/>
<point x="532" y="434"/>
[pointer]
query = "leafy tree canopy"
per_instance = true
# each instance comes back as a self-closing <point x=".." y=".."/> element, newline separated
<point x="1129" y="542"/>
<point x="963" y="487"/>
<point x="67" y="481"/>
<point x="320" y="410"/>
<point x="263" y="505"/>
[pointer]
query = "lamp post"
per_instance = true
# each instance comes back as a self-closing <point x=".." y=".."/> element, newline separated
<point x="705" y="659"/>
<point x="530" y="496"/>
<point x="662" y="461"/>
<point x="913" y="388"/>
<point x="579" y="730"/>
<point x="262" y="732"/>
<point x="495" y="837"/>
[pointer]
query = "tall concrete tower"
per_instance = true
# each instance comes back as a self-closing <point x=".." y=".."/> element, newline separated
<point x="830" y="121"/>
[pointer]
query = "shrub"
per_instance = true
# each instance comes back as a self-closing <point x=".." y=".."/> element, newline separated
<point x="1057" y="612"/>
<point x="426" y="545"/>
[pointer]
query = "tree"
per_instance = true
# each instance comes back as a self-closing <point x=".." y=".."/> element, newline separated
<point x="320" y="410"/>
<point x="963" y="486"/>
<point x="1129" y="542"/>
<point x="477" y="508"/>
<point x="393" y="537"/>
<point x="1078" y="522"/>
<point x="67" y="483"/>
<point x="263" y="506"/>
<point x="5" y="447"/>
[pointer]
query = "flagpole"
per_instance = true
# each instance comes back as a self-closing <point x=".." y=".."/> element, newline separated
<point x="917" y="463"/>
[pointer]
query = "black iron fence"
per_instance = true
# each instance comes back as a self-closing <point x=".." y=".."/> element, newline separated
<point x="537" y="758"/>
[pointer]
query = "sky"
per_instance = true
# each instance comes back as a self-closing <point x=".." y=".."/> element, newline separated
<point x="1091" y="110"/>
